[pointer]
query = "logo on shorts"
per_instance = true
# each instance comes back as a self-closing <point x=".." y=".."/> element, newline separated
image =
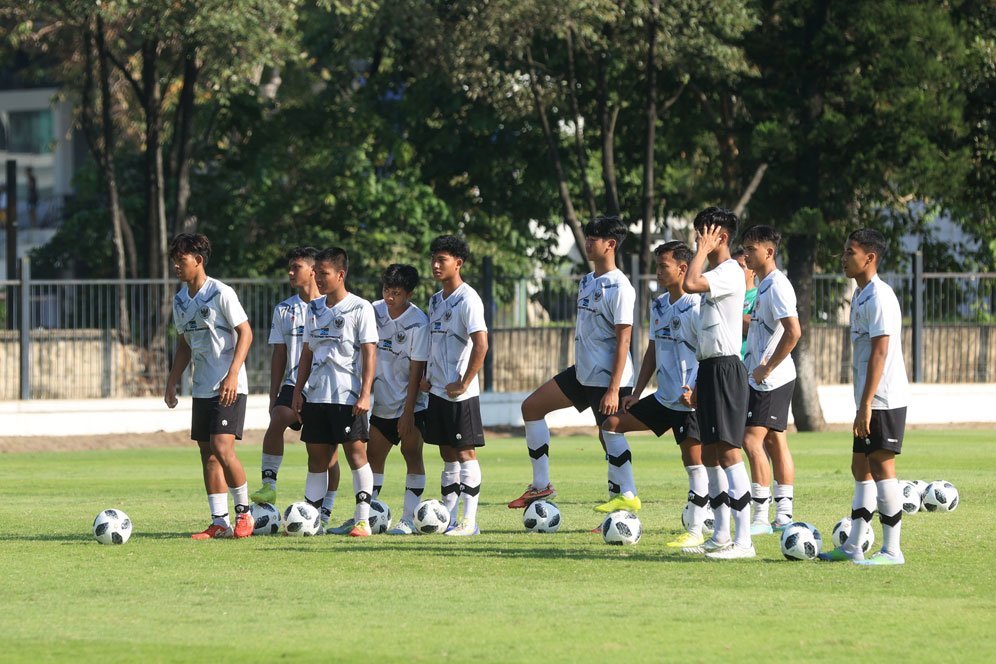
<point x="204" y="312"/>
<point x="224" y="423"/>
<point x="346" y="429"/>
<point x="339" y="321"/>
<point x="401" y="336"/>
<point x="448" y="315"/>
<point x="459" y="437"/>
<point x="750" y="413"/>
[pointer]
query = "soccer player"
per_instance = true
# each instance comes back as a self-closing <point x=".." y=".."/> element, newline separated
<point x="399" y="406"/>
<point x="881" y="395"/>
<point x="334" y="383"/>
<point x="213" y="336"/>
<point x="458" y="342"/>
<point x="720" y="394"/>
<point x="601" y="376"/>
<point x="774" y="332"/>
<point x="671" y="354"/>
<point x="749" y="296"/>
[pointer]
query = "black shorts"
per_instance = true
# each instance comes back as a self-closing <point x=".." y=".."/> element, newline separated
<point x="388" y="426"/>
<point x="660" y="418"/>
<point x="886" y="432"/>
<point x="453" y="423"/>
<point x="770" y="409"/>
<point x="721" y="406"/>
<point x="285" y="398"/>
<point x="585" y="396"/>
<point x="209" y="418"/>
<point x="332" y="423"/>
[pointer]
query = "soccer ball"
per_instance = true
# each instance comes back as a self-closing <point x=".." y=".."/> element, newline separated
<point x="921" y="486"/>
<point x="380" y="517"/>
<point x="799" y="543"/>
<point x="266" y="518"/>
<point x="302" y="520"/>
<point x="940" y="496"/>
<point x="431" y="517"/>
<point x="842" y="530"/>
<point x="541" y="517"/>
<point x="112" y="527"/>
<point x="802" y="525"/>
<point x="621" y="528"/>
<point x="912" y="500"/>
<point x="707" y="524"/>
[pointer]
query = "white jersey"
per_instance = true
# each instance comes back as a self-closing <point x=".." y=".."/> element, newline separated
<point x="673" y="330"/>
<point x="207" y="322"/>
<point x="721" y="324"/>
<point x="403" y="340"/>
<point x="334" y="335"/>
<point x="775" y="301"/>
<point x="287" y="329"/>
<point x="875" y="312"/>
<point x="603" y="303"/>
<point x="451" y="322"/>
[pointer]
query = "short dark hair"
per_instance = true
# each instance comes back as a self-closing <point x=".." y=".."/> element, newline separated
<point x="307" y="253"/>
<point x="610" y="228"/>
<point x="335" y="255"/>
<point x="871" y="241"/>
<point x="191" y="243"/>
<point x="737" y="253"/>
<point x="679" y="250"/>
<point x="761" y="233"/>
<point x="452" y="245"/>
<point x="717" y="216"/>
<point x="400" y="276"/>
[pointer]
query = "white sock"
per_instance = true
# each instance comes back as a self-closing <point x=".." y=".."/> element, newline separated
<point x="620" y="462"/>
<point x="739" y="490"/>
<point x="449" y="486"/>
<point x="363" y="488"/>
<point x="719" y="500"/>
<point x="698" y="496"/>
<point x="271" y="466"/>
<point x="784" y="498"/>
<point x="865" y="497"/>
<point x="316" y="487"/>
<point x="470" y="489"/>
<point x="760" y="502"/>
<point x="240" y="496"/>
<point x="890" y="514"/>
<point x="538" y="442"/>
<point x="414" y="486"/>
<point x="218" y="504"/>
<point x="378" y="482"/>
<point x="328" y="504"/>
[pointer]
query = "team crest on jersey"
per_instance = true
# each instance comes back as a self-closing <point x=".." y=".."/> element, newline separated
<point x="401" y="336"/>
<point x="448" y="315"/>
<point x="597" y="295"/>
<point x="339" y="321"/>
<point x="675" y="323"/>
<point x="204" y="312"/>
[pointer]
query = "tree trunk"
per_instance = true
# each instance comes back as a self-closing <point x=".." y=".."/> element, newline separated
<point x="806" y="407"/>
<point x="180" y="222"/>
<point x="607" y="117"/>
<point x="651" y="135"/>
<point x="589" y="195"/>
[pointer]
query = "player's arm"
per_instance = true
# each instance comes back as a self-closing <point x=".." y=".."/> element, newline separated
<point x="791" y="333"/>
<point x="406" y="425"/>
<point x="610" y="400"/>
<point x="368" y="356"/>
<point x="278" y="366"/>
<point x="479" y="340"/>
<point x="303" y="374"/>
<point x="647" y="370"/>
<point x="181" y="358"/>
<point x="229" y="388"/>
<point x="706" y="243"/>
<point x="876" y="366"/>
<point x="746" y="324"/>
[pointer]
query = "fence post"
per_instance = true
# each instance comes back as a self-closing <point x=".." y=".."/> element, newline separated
<point x="488" y="277"/>
<point x="634" y="340"/>
<point x="11" y="236"/>
<point x="25" y="333"/>
<point x="918" y="316"/>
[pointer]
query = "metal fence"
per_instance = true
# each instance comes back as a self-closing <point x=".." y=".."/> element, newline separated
<point x="105" y="338"/>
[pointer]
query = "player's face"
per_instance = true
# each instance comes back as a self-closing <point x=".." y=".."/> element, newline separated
<point x="669" y="271"/>
<point x="395" y="297"/>
<point x="755" y="256"/>
<point x="186" y="266"/>
<point x="854" y="260"/>
<point x="328" y="277"/>
<point x="445" y="266"/>
<point x="300" y="272"/>
<point x="597" y="247"/>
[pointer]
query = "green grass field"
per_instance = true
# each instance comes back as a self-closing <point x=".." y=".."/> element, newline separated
<point x="505" y="596"/>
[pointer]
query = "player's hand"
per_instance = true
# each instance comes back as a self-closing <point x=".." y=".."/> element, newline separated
<point x="761" y="373"/>
<point x="609" y="404"/>
<point x="170" y="397"/>
<point x="628" y="401"/>
<point x="455" y="389"/>
<point x="362" y="405"/>
<point x="424" y="386"/>
<point x="228" y="391"/>
<point x="688" y="396"/>
<point x="862" y="422"/>
<point x="709" y="238"/>
<point x="297" y="402"/>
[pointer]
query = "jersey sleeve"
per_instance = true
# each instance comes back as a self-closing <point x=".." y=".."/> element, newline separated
<point x="622" y="306"/>
<point x="420" y="342"/>
<point x="276" y="329"/>
<point x="232" y="309"/>
<point x="473" y="314"/>
<point x="877" y="317"/>
<point x="309" y="327"/>
<point x="782" y="301"/>
<point x="724" y="279"/>
<point x="366" y="332"/>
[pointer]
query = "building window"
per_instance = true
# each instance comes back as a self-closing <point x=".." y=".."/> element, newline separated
<point x="29" y="132"/>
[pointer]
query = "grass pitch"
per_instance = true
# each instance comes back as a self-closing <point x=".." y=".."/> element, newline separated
<point x="506" y="595"/>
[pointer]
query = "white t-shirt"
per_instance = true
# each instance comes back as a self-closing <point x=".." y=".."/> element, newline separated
<point x="403" y="340"/>
<point x="875" y="312"/>
<point x="721" y="323"/>
<point x="673" y="330"/>
<point x="287" y="329"/>
<point x="334" y="335"/>
<point x="207" y="321"/>
<point x="451" y="322"/>
<point x="603" y="303"/>
<point x="775" y="301"/>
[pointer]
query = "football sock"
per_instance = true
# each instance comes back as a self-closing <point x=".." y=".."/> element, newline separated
<point x="316" y="487"/>
<point x="363" y="488"/>
<point x="784" y="497"/>
<point x="271" y="465"/>
<point x="378" y="482"/>
<point x="449" y="487"/>
<point x="328" y="504"/>
<point x="760" y="502"/>
<point x="218" y="504"/>
<point x="862" y="505"/>
<point x="719" y="501"/>
<point x="240" y="496"/>
<point x="470" y="489"/>
<point x="414" y="486"/>
<point x="538" y="442"/>
<point x="890" y="513"/>
<point x="739" y="490"/>
<point x="698" y="496"/>
<point x="620" y="462"/>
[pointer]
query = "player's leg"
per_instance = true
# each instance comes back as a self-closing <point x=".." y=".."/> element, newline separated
<point x="217" y="493"/>
<point x="317" y="480"/>
<point x="620" y="467"/>
<point x="355" y="452"/>
<point x="863" y="504"/>
<point x="411" y="450"/>
<point x="731" y="461"/>
<point x="760" y="475"/>
<point x="719" y="501"/>
<point x="470" y="491"/>
<point x="223" y="449"/>
<point x="882" y="464"/>
<point x="281" y="417"/>
<point x="783" y="467"/>
<point x="698" y="494"/>
<point x="547" y="398"/>
<point x="377" y="450"/>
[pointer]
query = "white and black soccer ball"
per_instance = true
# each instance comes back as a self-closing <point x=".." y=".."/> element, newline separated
<point x="911" y="497"/>
<point x="431" y="517"/>
<point x="940" y="496"/>
<point x="842" y="530"/>
<point x="302" y="520"/>
<point x="800" y="543"/>
<point x="802" y="525"/>
<point x="921" y="486"/>
<point x="621" y="528"/>
<point x="266" y="518"/>
<point x="380" y="517"/>
<point x="707" y="525"/>
<point x="112" y="526"/>
<point x="541" y="516"/>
